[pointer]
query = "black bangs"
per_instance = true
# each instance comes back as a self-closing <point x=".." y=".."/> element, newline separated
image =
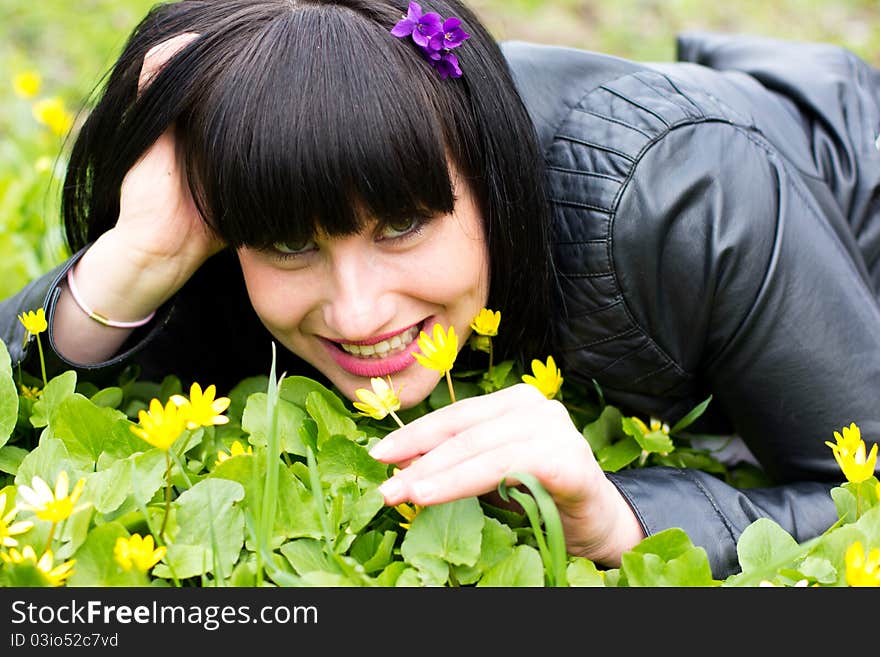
<point x="321" y="121"/>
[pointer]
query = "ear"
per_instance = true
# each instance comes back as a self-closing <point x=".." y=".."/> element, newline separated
<point x="161" y="54"/>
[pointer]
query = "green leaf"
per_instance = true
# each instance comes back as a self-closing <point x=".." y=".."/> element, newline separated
<point x="691" y="568"/>
<point x="583" y="572"/>
<point x="692" y="415"/>
<point x="11" y="458"/>
<point x="619" y="455"/>
<point x="8" y="396"/>
<point x="345" y="461"/>
<point x="189" y="553"/>
<point x="95" y="565"/>
<point x="374" y="550"/>
<point x="605" y="430"/>
<point x="652" y="442"/>
<point x="444" y="534"/>
<point x="89" y="430"/>
<point x="108" y="397"/>
<point x="296" y="389"/>
<point x="56" y="391"/>
<point x="330" y="421"/>
<point x="522" y="567"/>
<point x="541" y="509"/>
<point x="255" y="422"/>
<point x="306" y="555"/>
<point x="496" y="545"/>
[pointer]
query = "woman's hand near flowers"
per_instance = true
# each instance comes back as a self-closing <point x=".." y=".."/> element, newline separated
<point x="469" y="447"/>
<point x="158" y="242"/>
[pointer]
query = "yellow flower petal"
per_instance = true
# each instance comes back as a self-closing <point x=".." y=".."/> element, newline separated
<point x="52" y="113"/>
<point x="378" y="402"/>
<point x="440" y="352"/>
<point x="546" y="378"/>
<point x="486" y="322"/>
<point x="34" y="321"/>
<point x="26" y="84"/>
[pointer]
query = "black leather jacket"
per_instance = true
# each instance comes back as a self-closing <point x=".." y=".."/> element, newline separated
<point x="717" y="230"/>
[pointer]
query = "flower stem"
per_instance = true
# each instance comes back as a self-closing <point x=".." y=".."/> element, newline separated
<point x="49" y="538"/>
<point x="42" y="361"/>
<point x="491" y="354"/>
<point x="396" y="419"/>
<point x="167" y="493"/>
<point x="449" y="383"/>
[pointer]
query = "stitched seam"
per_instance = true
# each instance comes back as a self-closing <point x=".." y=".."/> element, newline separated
<point x="632" y="102"/>
<point x="576" y="204"/>
<point x="623" y="357"/>
<point x="711" y="501"/>
<point x="578" y="172"/>
<point x="683" y="94"/>
<point x="600" y="274"/>
<point x="607" y="338"/>
<point x="595" y="311"/>
<point x="599" y="147"/>
<point x="600" y="240"/>
<point x="611" y="120"/>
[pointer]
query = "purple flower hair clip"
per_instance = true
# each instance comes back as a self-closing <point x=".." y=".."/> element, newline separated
<point x="435" y="38"/>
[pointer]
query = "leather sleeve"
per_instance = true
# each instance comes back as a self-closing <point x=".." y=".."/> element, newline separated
<point x="727" y="263"/>
<point x="43" y="292"/>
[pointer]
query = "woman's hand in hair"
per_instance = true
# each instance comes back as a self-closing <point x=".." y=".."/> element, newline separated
<point x="159" y="223"/>
<point x="158" y="242"/>
<point x="468" y="447"/>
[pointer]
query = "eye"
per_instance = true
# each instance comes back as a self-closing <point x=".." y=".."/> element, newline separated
<point x="294" y="248"/>
<point x="400" y="227"/>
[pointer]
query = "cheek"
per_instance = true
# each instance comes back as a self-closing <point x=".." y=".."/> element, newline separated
<point x="274" y="294"/>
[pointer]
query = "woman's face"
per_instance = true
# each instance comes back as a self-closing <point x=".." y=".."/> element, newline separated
<point x="353" y="306"/>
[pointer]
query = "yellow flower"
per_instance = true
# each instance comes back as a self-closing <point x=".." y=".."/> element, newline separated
<point x="409" y="513"/>
<point x="849" y="452"/>
<point x="55" y="576"/>
<point x="486" y="323"/>
<point x="138" y="552"/>
<point x="861" y="571"/>
<point x="52" y="113"/>
<point x="547" y="378"/>
<point x="237" y="449"/>
<point x="34" y="321"/>
<point x="26" y="84"/>
<point x="45" y="504"/>
<point x="160" y="426"/>
<point x="437" y="354"/>
<point x="656" y="425"/>
<point x="8" y="529"/>
<point x="29" y="393"/>
<point x="378" y="402"/>
<point x="850" y="439"/>
<point x="201" y="409"/>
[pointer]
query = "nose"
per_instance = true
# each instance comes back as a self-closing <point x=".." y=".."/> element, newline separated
<point x="359" y="302"/>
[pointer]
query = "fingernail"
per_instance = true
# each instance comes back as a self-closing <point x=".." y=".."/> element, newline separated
<point x="380" y="449"/>
<point x="392" y="488"/>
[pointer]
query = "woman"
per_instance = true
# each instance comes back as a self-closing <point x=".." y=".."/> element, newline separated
<point x="324" y="175"/>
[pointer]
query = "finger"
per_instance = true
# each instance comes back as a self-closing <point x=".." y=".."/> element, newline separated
<point x="482" y="474"/>
<point x="425" y="433"/>
<point x="514" y="426"/>
<point x="161" y="54"/>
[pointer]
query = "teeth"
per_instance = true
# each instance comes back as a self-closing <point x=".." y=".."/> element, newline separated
<point x="384" y="348"/>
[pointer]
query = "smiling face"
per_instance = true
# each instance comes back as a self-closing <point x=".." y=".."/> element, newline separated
<point x="353" y="306"/>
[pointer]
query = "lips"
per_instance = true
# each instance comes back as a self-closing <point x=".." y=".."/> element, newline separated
<point x="381" y="355"/>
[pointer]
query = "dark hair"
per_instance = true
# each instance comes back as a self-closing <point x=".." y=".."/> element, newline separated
<point x="297" y="115"/>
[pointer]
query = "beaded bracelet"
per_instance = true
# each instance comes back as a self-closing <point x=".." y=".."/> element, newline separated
<point x="98" y="317"/>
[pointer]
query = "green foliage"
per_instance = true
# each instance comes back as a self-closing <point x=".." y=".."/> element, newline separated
<point x="301" y="507"/>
